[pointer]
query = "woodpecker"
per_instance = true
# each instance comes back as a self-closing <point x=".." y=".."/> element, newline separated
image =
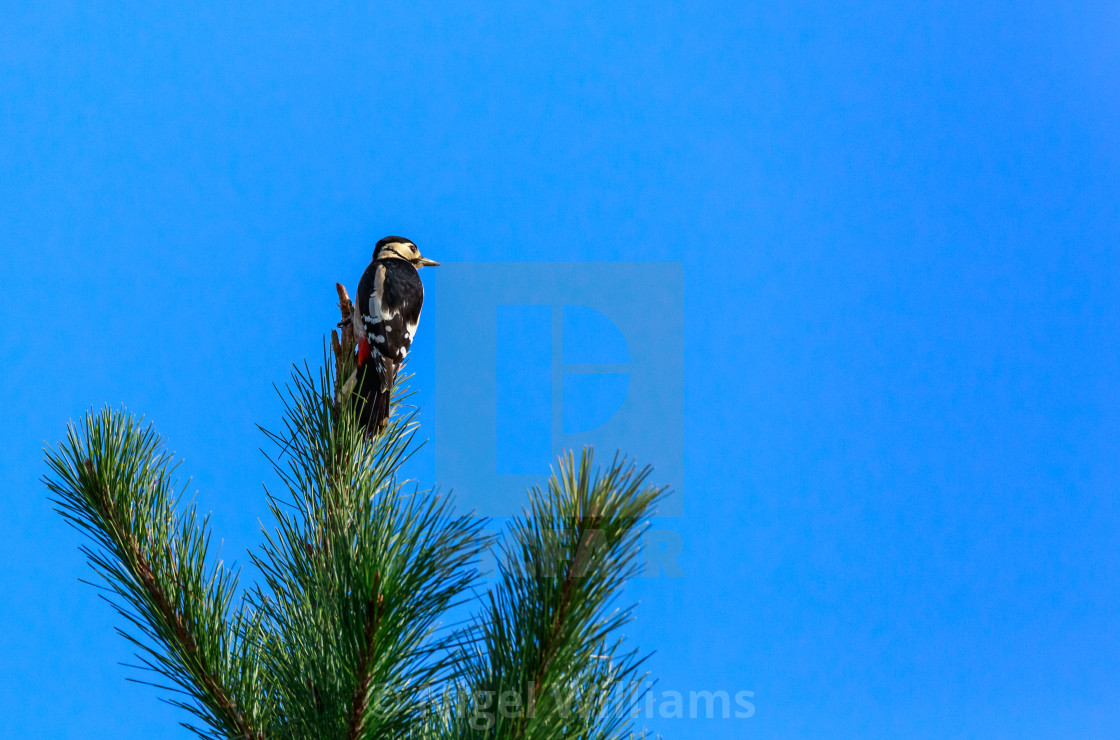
<point x="390" y="296"/>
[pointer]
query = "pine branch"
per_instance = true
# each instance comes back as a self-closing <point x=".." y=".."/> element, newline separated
<point x="363" y="675"/>
<point x="113" y="484"/>
<point x="555" y="635"/>
<point x="549" y="639"/>
<point x="175" y="619"/>
<point x="343" y="638"/>
<point x="360" y="608"/>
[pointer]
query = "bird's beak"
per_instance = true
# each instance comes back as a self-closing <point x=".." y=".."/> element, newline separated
<point x="425" y="262"/>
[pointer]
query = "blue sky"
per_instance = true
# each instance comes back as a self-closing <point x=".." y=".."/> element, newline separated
<point x="898" y="230"/>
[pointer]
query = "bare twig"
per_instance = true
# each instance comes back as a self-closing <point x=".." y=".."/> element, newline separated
<point x="343" y="346"/>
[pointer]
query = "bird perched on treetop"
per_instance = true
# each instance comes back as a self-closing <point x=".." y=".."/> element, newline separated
<point x="390" y="296"/>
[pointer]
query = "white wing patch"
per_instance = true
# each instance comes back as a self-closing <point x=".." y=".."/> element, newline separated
<point x="410" y="329"/>
<point x="376" y="305"/>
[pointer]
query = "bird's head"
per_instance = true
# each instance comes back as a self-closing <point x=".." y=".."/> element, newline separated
<point x="399" y="248"/>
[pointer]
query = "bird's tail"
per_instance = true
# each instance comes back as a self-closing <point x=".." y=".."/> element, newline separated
<point x="375" y="389"/>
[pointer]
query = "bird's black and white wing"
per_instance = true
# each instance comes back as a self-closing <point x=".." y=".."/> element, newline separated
<point x="390" y="296"/>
